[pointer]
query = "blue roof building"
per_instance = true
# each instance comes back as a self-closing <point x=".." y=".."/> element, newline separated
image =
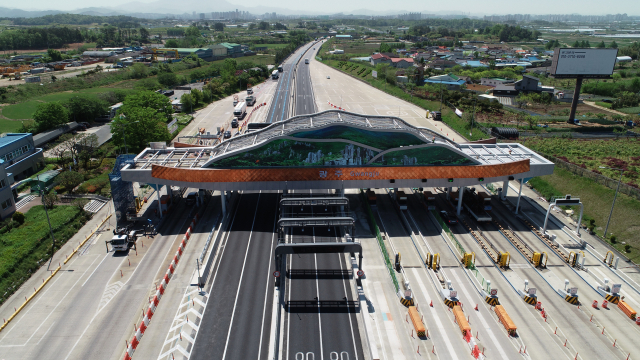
<point x="450" y="81"/>
<point x="19" y="159"/>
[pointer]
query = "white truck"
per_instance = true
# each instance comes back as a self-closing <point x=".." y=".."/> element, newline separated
<point x="240" y="110"/>
<point x="123" y="238"/>
<point x="250" y="100"/>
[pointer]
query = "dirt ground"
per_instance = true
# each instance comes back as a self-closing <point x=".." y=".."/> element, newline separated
<point x="556" y="110"/>
<point x="73" y="46"/>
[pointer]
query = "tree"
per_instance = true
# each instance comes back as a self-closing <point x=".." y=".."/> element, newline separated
<point x="85" y="107"/>
<point x="50" y="199"/>
<point x="87" y="145"/>
<point x="187" y="100"/>
<point x="613" y="45"/>
<point x="144" y="35"/>
<point x="197" y="96"/>
<point x="616" y="77"/>
<point x="49" y="116"/>
<point x="171" y="43"/>
<point x="148" y="99"/>
<point x="70" y="179"/>
<point x="168" y="79"/>
<point x="80" y="203"/>
<point x="139" y="71"/>
<point x="385" y="48"/>
<point x="576" y="44"/>
<point x="601" y="45"/>
<point x="252" y="26"/>
<point x="228" y="72"/>
<point x="192" y="31"/>
<point x="54" y="54"/>
<point x="263" y="25"/>
<point x="142" y="125"/>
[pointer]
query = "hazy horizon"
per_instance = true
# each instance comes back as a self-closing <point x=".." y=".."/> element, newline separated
<point x="466" y="7"/>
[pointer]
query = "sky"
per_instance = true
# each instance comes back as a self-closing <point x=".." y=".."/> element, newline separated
<point x="474" y="7"/>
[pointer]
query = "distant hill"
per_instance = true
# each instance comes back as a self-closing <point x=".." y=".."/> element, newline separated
<point x="16" y="13"/>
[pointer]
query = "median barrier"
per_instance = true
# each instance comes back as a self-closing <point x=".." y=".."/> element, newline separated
<point x="418" y="325"/>
<point x="627" y="310"/>
<point x="153" y="305"/>
<point x="505" y="319"/>
<point x="462" y="322"/>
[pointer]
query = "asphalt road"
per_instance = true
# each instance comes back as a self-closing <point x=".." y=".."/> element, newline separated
<point x="304" y="100"/>
<point x="279" y="109"/>
<point x="320" y="315"/>
<point x="237" y="321"/>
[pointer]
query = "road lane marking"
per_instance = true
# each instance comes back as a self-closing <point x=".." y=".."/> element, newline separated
<point x="94" y="270"/>
<point x="244" y="263"/>
<point x="264" y="311"/>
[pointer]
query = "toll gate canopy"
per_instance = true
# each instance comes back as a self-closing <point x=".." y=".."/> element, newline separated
<point x="334" y="150"/>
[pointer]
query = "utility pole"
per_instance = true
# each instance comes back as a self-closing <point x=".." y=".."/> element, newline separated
<point x="53" y="239"/>
<point x="440" y="97"/>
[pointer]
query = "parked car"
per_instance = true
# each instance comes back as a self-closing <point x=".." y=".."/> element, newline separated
<point x="448" y="218"/>
<point x="227" y="134"/>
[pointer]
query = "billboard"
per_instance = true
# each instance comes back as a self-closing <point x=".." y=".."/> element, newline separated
<point x="588" y="63"/>
<point x="374" y="74"/>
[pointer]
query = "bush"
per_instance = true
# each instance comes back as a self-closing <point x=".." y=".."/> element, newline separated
<point x="627" y="248"/>
<point x="18" y="217"/>
<point x="613" y="239"/>
<point x="168" y="79"/>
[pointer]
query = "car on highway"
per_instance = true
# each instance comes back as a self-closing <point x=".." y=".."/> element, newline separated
<point x="448" y="218"/>
<point x="328" y="77"/>
<point x="234" y="123"/>
<point x="250" y="91"/>
<point x="227" y="134"/>
<point x="191" y="198"/>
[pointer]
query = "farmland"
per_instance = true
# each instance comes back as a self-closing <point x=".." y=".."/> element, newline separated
<point x="622" y="153"/>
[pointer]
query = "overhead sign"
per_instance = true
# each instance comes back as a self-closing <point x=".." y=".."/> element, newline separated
<point x="573" y="291"/>
<point x="615" y="288"/>
<point x="494" y="292"/>
<point x="453" y="293"/>
<point x="532" y="291"/>
<point x="374" y="74"/>
<point x="590" y="63"/>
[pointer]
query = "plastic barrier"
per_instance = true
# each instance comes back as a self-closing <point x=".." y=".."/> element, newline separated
<point x="417" y="321"/>
<point x="627" y="310"/>
<point x="505" y="319"/>
<point x="159" y="292"/>
<point x="461" y="320"/>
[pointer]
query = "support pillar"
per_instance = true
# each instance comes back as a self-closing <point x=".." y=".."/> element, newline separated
<point x="519" y="195"/>
<point x="460" y="193"/>
<point x="223" y="201"/>
<point x="505" y="189"/>
<point x="158" y="188"/>
<point x="448" y="192"/>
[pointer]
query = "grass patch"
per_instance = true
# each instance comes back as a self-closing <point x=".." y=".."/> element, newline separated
<point x="11" y="126"/>
<point x="630" y="110"/>
<point x="603" y="104"/>
<point x="597" y="200"/>
<point x="24" y="249"/>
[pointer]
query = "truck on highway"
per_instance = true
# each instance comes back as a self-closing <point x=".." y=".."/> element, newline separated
<point x="123" y="238"/>
<point x="306" y="61"/>
<point x="250" y="100"/>
<point x="275" y="75"/>
<point x="240" y="110"/>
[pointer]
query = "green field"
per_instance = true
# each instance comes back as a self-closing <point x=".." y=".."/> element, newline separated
<point x="272" y="46"/>
<point x="26" y="109"/>
<point x="23" y="249"/>
<point x="597" y="200"/>
<point x="631" y="110"/>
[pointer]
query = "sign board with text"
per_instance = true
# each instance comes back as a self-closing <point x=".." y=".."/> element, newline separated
<point x="615" y="289"/>
<point x="587" y="63"/>
<point x="573" y="291"/>
<point x="374" y="74"/>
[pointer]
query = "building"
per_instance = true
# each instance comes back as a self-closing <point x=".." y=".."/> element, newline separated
<point x="505" y="90"/>
<point x="20" y="156"/>
<point x="233" y="50"/>
<point x="98" y="54"/>
<point x="218" y="51"/>
<point x="204" y="54"/>
<point x="530" y="83"/>
<point x="380" y="59"/>
<point x="344" y="37"/>
<point x="401" y="63"/>
<point x="450" y="81"/>
<point x="7" y="202"/>
<point x="493" y="82"/>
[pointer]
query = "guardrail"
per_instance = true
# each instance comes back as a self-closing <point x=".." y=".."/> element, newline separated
<point x="383" y="249"/>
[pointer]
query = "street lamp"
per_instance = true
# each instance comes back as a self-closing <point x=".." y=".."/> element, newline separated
<point x="614" y="197"/>
<point x="122" y="116"/>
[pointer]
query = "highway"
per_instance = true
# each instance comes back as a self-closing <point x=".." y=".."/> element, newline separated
<point x="88" y="310"/>
<point x="237" y="320"/>
<point x="279" y="108"/>
<point x="320" y="316"/>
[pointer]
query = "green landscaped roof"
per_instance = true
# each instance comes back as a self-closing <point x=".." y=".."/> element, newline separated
<point x="47" y="175"/>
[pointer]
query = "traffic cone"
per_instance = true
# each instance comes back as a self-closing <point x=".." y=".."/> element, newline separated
<point x="476" y="307"/>
<point x="431" y="304"/>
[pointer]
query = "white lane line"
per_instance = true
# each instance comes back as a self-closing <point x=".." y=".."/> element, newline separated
<point x="244" y="263"/>
<point x="50" y="313"/>
<point x="131" y="277"/>
<point x="344" y="282"/>
<point x="486" y="326"/>
<point x="434" y="313"/>
<point x="392" y="338"/>
<point x="94" y="270"/>
<point x="266" y="291"/>
<point x="289" y="312"/>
